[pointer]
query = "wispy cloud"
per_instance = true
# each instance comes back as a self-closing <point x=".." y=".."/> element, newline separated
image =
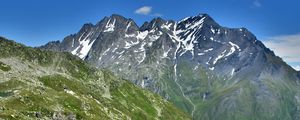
<point x="257" y="3"/>
<point x="286" y="46"/>
<point x="146" y="10"/>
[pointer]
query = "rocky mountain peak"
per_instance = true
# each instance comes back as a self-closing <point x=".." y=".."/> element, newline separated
<point x="156" y="22"/>
<point x="188" y="62"/>
<point x="87" y="26"/>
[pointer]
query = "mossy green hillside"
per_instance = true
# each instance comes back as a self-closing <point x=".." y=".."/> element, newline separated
<point x="50" y="85"/>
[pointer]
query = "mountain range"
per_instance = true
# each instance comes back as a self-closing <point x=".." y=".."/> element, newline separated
<point x="207" y="70"/>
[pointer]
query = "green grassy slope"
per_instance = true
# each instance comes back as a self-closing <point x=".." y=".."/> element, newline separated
<point x="49" y="85"/>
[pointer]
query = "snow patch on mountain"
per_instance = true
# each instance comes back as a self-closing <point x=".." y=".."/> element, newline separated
<point x="167" y="26"/>
<point x="110" y="26"/>
<point x="130" y="44"/>
<point x="84" y="47"/>
<point x="129" y="35"/>
<point x="235" y="45"/>
<point x="219" y="57"/>
<point x="142" y="49"/>
<point x="210" y="49"/>
<point x="128" y="25"/>
<point x="233" y="48"/>
<point x="142" y="35"/>
<point x="232" y="72"/>
<point x="165" y="55"/>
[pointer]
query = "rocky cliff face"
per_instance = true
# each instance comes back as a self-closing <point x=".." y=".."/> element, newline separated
<point x="208" y="70"/>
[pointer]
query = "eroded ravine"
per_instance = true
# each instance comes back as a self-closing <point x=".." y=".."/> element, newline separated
<point x="180" y="87"/>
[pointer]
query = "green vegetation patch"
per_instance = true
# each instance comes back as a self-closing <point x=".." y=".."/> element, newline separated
<point x="140" y="104"/>
<point x="60" y="83"/>
<point x="10" y="85"/>
<point x="4" y="67"/>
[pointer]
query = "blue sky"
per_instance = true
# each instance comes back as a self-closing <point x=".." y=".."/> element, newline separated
<point x="35" y="22"/>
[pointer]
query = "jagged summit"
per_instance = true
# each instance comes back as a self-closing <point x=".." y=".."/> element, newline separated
<point x="198" y="38"/>
<point x="158" y="21"/>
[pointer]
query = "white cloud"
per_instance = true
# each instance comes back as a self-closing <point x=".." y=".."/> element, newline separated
<point x="287" y="47"/>
<point x="297" y="67"/>
<point x="256" y="3"/>
<point x="145" y="10"/>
